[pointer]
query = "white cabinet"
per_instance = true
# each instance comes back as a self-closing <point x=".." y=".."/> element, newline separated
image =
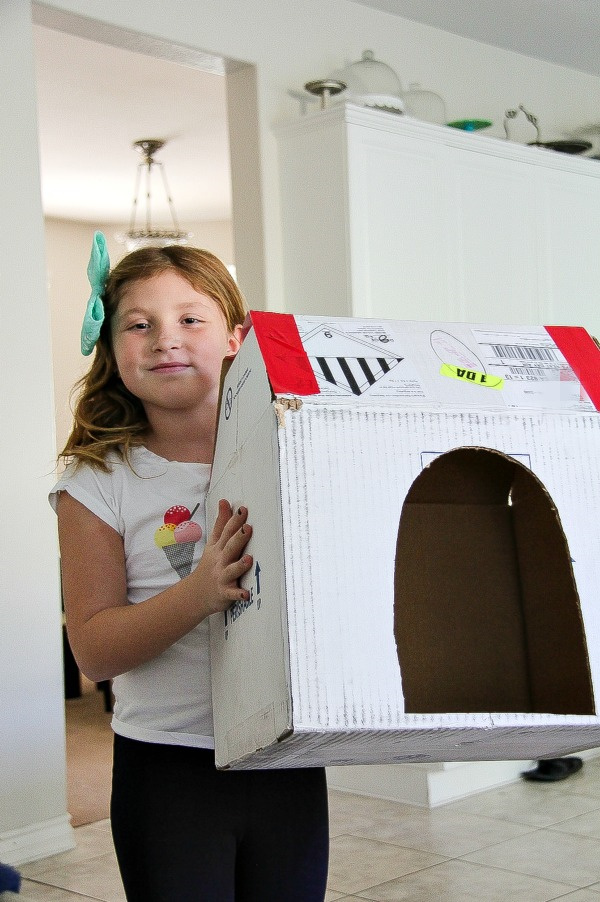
<point x="386" y="216"/>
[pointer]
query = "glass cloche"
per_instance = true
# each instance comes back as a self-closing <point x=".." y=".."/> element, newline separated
<point x="426" y="105"/>
<point x="370" y="82"/>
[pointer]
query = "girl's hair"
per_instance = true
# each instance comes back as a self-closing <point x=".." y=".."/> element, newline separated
<point x="107" y="417"/>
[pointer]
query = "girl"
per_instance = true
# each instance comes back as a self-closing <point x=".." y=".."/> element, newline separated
<point x="141" y="577"/>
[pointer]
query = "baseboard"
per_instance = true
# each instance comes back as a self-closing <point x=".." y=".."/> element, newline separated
<point x="396" y="782"/>
<point x="429" y="785"/>
<point x="37" y="841"/>
<point x="460" y="780"/>
<point x="406" y="783"/>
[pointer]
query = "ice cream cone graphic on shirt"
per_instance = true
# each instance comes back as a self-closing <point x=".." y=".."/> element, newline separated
<point x="177" y="537"/>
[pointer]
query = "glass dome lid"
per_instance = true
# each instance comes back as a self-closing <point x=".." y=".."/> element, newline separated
<point x="373" y="83"/>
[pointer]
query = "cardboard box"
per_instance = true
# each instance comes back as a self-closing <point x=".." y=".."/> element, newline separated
<point x="425" y="503"/>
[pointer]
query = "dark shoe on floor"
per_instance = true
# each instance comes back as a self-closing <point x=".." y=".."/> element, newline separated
<point x="549" y="770"/>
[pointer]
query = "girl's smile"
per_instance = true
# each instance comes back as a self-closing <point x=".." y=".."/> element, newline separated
<point x="173" y="367"/>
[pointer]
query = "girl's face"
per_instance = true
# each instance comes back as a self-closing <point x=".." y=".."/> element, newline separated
<point x="169" y="342"/>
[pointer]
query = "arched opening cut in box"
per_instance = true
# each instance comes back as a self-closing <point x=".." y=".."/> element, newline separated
<point x="486" y="610"/>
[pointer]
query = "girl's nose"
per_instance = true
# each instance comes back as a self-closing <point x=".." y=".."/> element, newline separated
<point x="166" y="337"/>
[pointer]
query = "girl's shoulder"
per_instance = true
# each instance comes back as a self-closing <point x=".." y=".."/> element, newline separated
<point x="114" y="493"/>
<point x="81" y="470"/>
<point x="85" y="481"/>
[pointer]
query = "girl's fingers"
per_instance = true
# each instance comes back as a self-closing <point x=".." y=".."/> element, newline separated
<point x="227" y="524"/>
<point x="235" y="538"/>
<point x="225" y="548"/>
<point x="234" y="573"/>
<point x="239" y="540"/>
<point x="232" y="523"/>
<point x="224" y="514"/>
<point x="242" y="566"/>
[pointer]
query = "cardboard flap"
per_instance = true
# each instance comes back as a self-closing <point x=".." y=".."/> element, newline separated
<point x="558" y="659"/>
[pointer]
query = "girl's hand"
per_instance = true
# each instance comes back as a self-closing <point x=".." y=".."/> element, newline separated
<point x="223" y="561"/>
<point x="108" y="635"/>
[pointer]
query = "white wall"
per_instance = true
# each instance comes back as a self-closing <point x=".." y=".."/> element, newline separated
<point x="68" y="247"/>
<point x="32" y="758"/>
<point x="289" y="42"/>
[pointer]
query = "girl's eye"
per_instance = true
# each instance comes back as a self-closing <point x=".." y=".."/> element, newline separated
<point x="189" y="320"/>
<point x="135" y="327"/>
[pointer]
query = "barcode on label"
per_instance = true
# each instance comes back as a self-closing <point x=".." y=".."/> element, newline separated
<point x="520" y="352"/>
<point x="540" y="373"/>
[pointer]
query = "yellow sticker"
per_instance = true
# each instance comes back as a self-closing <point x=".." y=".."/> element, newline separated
<point x="465" y="375"/>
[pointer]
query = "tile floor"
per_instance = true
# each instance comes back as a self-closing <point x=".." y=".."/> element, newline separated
<point x="527" y="842"/>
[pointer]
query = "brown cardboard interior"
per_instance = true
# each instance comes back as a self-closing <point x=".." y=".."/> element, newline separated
<point x="486" y="611"/>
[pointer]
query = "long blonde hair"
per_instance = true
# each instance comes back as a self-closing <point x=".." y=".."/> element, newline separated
<point x="107" y="416"/>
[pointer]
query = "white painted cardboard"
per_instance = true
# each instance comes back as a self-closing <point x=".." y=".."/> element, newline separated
<point x="307" y="672"/>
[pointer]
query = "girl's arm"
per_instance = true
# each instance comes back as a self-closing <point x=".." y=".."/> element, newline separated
<point x="108" y="635"/>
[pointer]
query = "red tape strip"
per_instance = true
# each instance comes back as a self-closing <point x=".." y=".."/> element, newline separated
<point x="583" y="355"/>
<point x="287" y="363"/>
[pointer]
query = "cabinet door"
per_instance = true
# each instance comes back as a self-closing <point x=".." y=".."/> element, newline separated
<point x="495" y="238"/>
<point x="569" y="214"/>
<point x="400" y="239"/>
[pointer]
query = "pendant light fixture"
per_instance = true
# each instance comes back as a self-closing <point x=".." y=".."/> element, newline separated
<point x="148" y="235"/>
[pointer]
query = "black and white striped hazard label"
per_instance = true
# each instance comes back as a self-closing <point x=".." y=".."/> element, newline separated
<point x="353" y="374"/>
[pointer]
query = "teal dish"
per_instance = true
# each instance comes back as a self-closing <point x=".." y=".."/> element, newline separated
<point x="470" y="125"/>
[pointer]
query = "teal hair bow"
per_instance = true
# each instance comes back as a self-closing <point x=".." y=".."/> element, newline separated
<point x="97" y="271"/>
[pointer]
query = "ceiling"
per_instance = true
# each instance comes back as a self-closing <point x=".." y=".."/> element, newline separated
<point x="566" y="32"/>
<point x="95" y="100"/>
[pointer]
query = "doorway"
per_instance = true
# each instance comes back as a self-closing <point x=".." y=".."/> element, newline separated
<point x="99" y="90"/>
<point x="487" y="614"/>
<point x="162" y="74"/>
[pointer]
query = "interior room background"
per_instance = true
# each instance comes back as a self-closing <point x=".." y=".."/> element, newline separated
<point x="270" y="47"/>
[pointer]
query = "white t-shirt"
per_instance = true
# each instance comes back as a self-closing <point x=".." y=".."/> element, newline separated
<point x="167" y="699"/>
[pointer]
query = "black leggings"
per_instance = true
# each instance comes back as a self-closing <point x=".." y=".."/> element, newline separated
<point x="185" y="832"/>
